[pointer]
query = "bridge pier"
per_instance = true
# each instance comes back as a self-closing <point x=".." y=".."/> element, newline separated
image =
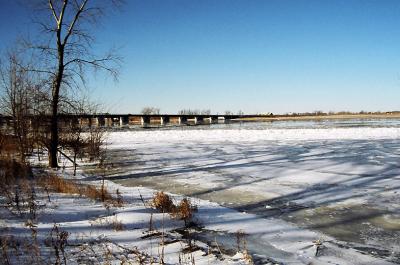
<point x="208" y="120"/>
<point x="95" y="122"/>
<point x="199" y="120"/>
<point x="123" y="121"/>
<point x="108" y="122"/>
<point x="145" y="120"/>
<point x="191" y="120"/>
<point x="166" y="119"/>
<point x="101" y="121"/>
<point x="183" y="120"/>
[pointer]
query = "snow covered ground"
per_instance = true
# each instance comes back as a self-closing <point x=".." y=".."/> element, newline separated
<point x="338" y="184"/>
<point x="104" y="234"/>
<point x="289" y="191"/>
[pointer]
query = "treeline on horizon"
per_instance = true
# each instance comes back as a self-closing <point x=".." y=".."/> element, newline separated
<point x="322" y="113"/>
<point x="156" y="111"/>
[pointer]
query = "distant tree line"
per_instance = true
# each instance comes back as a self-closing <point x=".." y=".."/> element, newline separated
<point x="322" y="113"/>
<point x="150" y="110"/>
<point x="194" y="112"/>
<point x="156" y="111"/>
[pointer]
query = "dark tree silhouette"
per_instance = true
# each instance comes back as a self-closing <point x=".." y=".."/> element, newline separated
<point x="67" y="52"/>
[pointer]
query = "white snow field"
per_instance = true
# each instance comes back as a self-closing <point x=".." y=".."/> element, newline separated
<point x="299" y="196"/>
<point x="92" y="238"/>
<point x="286" y="188"/>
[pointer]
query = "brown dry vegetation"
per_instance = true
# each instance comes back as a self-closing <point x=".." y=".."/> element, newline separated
<point x="56" y="183"/>
<point x="8" y="145"/>
<point x="116" y="224"/>
<point x="184" y="210"/>
<point x="162" y="202"/>
<point x="16" y="188"/>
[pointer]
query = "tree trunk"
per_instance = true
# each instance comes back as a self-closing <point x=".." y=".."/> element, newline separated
<point x="54" y="136"/>
<point x="54" y="114"/>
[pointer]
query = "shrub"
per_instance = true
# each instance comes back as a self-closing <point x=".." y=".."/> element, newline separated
<point x="184" y="211"/>
<point x="163" y="202"/>
<point x="15" y="183"/>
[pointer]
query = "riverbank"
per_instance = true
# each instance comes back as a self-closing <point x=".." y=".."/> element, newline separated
<point x="323" y="117"/>
<point x="298" y="196"/>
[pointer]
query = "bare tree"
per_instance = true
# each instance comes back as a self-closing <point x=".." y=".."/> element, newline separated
<point x="25" y="98"/>
<point x="81" y="139"/>
<point x="189" y="112"/>
<point x="150" y="110"/>
<point x="194" y="112"/>
<point x="206" y="112"/>
<point x="67" y="54"/>
<point x="16" y="87"/>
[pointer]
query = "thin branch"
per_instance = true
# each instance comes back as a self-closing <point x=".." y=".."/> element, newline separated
<point x="72" y="25"/>
<point x="53" y="10"/>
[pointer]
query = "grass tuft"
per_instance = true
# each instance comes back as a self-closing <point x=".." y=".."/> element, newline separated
<point x="184" y="210"/>
<point x="163" y="202"/>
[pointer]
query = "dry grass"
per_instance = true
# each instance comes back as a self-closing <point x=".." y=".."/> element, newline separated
<point x="116" y="224"/>
<point x="119" y="200"/>
<point x="242" y="246"/>
<point x="12" y="170"/>
<point x="16" y="186"/>
<point x="94" y="193"/>
<point x="8" y="145"/>
<point x="163" y="202"/>
<point x="183" y="211"/>
<point x="58" y="184"/>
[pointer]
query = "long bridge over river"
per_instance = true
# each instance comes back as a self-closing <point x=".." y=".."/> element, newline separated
<point x="121" y="120"/>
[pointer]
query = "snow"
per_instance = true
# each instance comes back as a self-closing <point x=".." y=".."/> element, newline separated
<point x="92" y="240"/>
<point x="266" y="183"/>
<point x="341" y="177"/>
<point x="122" y="139"/>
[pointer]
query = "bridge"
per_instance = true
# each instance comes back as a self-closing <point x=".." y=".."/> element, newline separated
<point x="144" y="120"/>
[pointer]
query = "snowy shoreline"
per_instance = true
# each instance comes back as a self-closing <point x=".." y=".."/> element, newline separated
<point x="329" y="172"/>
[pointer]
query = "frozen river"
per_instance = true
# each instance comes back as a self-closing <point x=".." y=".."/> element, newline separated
<point x="341" y="178"/>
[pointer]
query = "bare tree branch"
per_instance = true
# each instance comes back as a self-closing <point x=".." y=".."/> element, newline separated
<point x="53" y="10"/>
<point x="71" y="27"/>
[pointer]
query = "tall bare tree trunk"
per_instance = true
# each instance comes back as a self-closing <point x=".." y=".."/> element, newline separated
<point x="54" y="136"/>
<point x="55" y="99"/>
<point x="71" y="53"/>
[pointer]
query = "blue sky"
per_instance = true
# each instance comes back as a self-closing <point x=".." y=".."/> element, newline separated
<point x="255" y="56"/>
